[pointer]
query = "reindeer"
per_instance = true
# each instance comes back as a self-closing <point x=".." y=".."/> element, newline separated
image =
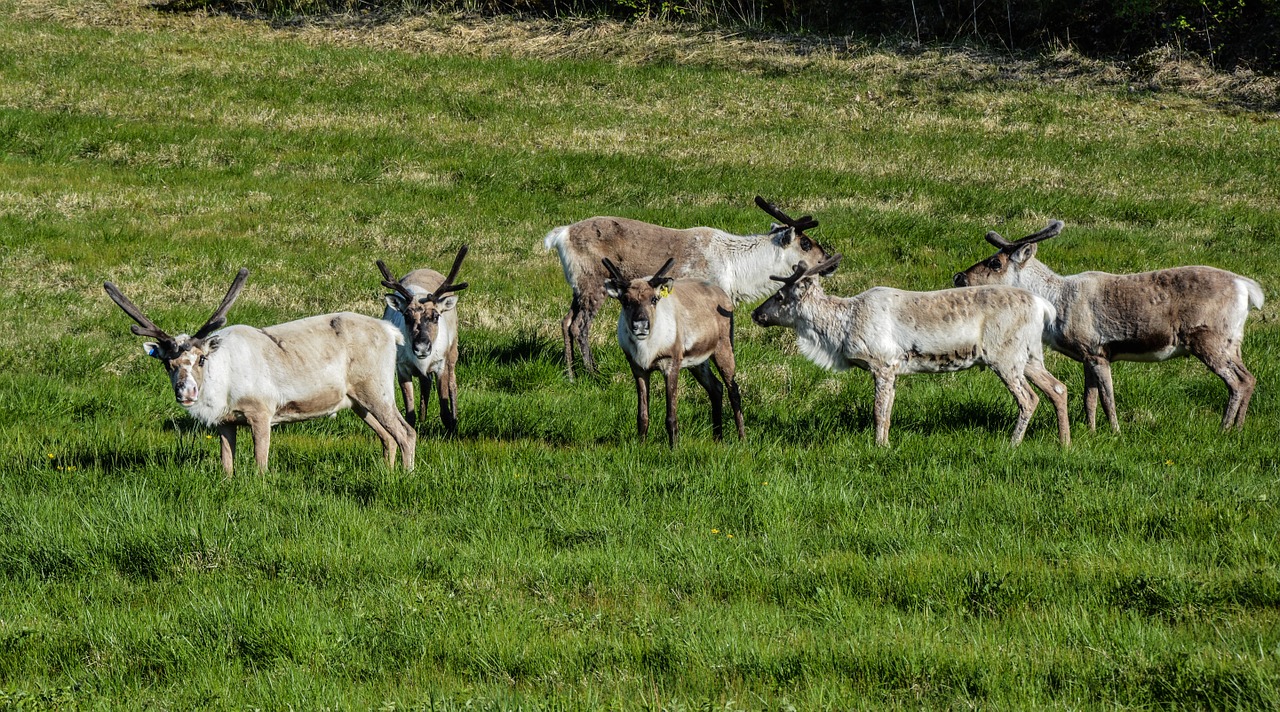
<point x="423" y="310"/>
<point x="890" y="332"/>
<point x="740" y="265"/>
<point x="668" y="324"/>
<point x="1151" y="316"/>
<point x="239" y="375"/>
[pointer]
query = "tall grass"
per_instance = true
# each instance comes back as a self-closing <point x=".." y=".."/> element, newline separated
<point x="544" y="558"/>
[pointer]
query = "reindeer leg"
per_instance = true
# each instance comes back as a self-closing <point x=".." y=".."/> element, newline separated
<point x="702" y="373"/>
<point x="410" y="408"/>
<point x="1247" y="383"/>
<point x="388" y="441"/>
<point x="227" y="434"/>
<point x="1102" y="368"/>
<point x="1026" y="398"/>
<point x="447" y="389"/>
<point x="642" y="402"/>
<point x="425" y="384"/>
<point x="1056" y="393"/>
<point x="672" y="376"/>
<point x="588" y="313"/>
<point x="885" y="380"/>
<point x="725" y="363"/>
<point x="1240" y="383"/>
<point x="1090" y="395"/>
<point x="378" y="410"/>
<point x="570" y="334"/>
<point x="260" y="427"/>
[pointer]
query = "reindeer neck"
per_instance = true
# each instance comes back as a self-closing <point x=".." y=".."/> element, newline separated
<point x="749" y="261"/>
<point x="1037" y="278"/>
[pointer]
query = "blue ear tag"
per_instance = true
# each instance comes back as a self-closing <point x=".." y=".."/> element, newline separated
<point x="154" y="352"/>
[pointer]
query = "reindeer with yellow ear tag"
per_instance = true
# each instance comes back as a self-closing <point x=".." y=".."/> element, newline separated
<point x="668" y="324"/>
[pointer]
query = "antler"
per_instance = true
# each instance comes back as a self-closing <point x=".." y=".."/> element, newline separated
<point x="144" y="327"/>
<point x="802" y="268"/>
<point x="656" y="279"/>
<point x="614" y="271"/>
<point x="804" y="223"/>
<point x="448" y="285"/>
<point x="219" y="317"/>
<point x="390" y="282"/>
<point x="1052" y="230"/>
<point x="826" y="266"/>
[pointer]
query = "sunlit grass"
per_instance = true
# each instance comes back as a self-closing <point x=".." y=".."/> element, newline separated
<point x="545" y="558"/>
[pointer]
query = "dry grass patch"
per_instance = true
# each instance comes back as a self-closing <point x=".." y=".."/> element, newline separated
<point x="1166" y="71"/>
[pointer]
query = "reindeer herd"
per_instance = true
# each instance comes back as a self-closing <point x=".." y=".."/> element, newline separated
<point x="678" y="290"/>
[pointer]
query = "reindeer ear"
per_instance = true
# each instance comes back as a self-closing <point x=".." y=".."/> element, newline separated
<point x="211" y="345"/>
<point x="1024" y="253"/>
<point x="447" y="303"/>
<point x="153" y="350"/>
<point x="786" y="234"/>
<point x="611" y="288"/>
<point x="394" y="301"/>
<point x="664" y="288"/>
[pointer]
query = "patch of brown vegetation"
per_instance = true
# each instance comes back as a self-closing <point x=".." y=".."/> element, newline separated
<point x="1165" y="70"/>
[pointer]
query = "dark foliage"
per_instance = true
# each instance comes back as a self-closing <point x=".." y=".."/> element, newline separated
<point x="1230" y="33"/>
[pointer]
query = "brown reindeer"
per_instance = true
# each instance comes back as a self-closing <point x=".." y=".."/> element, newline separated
<point x="668" y="324"/>
<point x="1151" y="316"/>
<point x="739" y="265"/>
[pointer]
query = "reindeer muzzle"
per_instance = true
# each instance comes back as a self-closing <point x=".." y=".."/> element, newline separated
<point x="640" y="329"/>
<point x="186" y="395"/>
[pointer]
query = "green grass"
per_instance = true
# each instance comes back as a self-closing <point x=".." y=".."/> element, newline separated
<point x="545" y="558"/>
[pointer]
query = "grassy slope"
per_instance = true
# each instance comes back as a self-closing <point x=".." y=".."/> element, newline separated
<point x="546" y="556"/>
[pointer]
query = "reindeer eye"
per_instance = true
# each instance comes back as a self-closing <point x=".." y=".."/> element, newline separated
<point x="995" y="264"/>
<point x="806" y="244"/>
<point x="653" y="300"/>
<point x="202" y="358"/>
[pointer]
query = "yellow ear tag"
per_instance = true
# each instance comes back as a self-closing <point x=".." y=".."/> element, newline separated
<point x="664" y="291"/>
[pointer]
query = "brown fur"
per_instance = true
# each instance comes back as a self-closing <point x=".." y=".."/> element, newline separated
<point x="638" y="249"/>
<point x="1155" y="315"/>
<point x="703" y="317"/>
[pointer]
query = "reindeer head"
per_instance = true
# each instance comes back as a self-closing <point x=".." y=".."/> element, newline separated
<point x="781" y="309"/>
<point x="1004" y="265"/>
<point x="184" y="356"/>
<point x="788" y="234"/>
<point x="422" y="311"/>
<point x="639" y="297"/>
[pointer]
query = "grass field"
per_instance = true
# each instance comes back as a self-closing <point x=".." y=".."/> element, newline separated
<point x="545" y="558"/>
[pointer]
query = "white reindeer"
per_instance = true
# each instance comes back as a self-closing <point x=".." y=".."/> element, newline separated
<point x="667" y="325"/>
<point x="424" y="310"/>
<point x="740" y="265"/>
<point x="890" y="332"/>
<point x="1151" y="316"/>
<point x="240" y="375"/>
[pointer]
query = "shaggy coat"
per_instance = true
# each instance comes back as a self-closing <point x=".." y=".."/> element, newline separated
<point x="667" y="325"/>
<point x="430" y="346"/>
<point x="309" y="368"/>
<point x="739" y="265"/>
<point x="1151" y="316"/>
<point x="890" y="332"/>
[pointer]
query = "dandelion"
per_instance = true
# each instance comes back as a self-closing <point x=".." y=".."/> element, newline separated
<point x="728" y="536"/>
<point x="766" y="482"/>
<point x="50" y="456"/>
<point x="1168" y="462"/>
<point x="715" y="531"/>
<point x="208" y="437"/>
